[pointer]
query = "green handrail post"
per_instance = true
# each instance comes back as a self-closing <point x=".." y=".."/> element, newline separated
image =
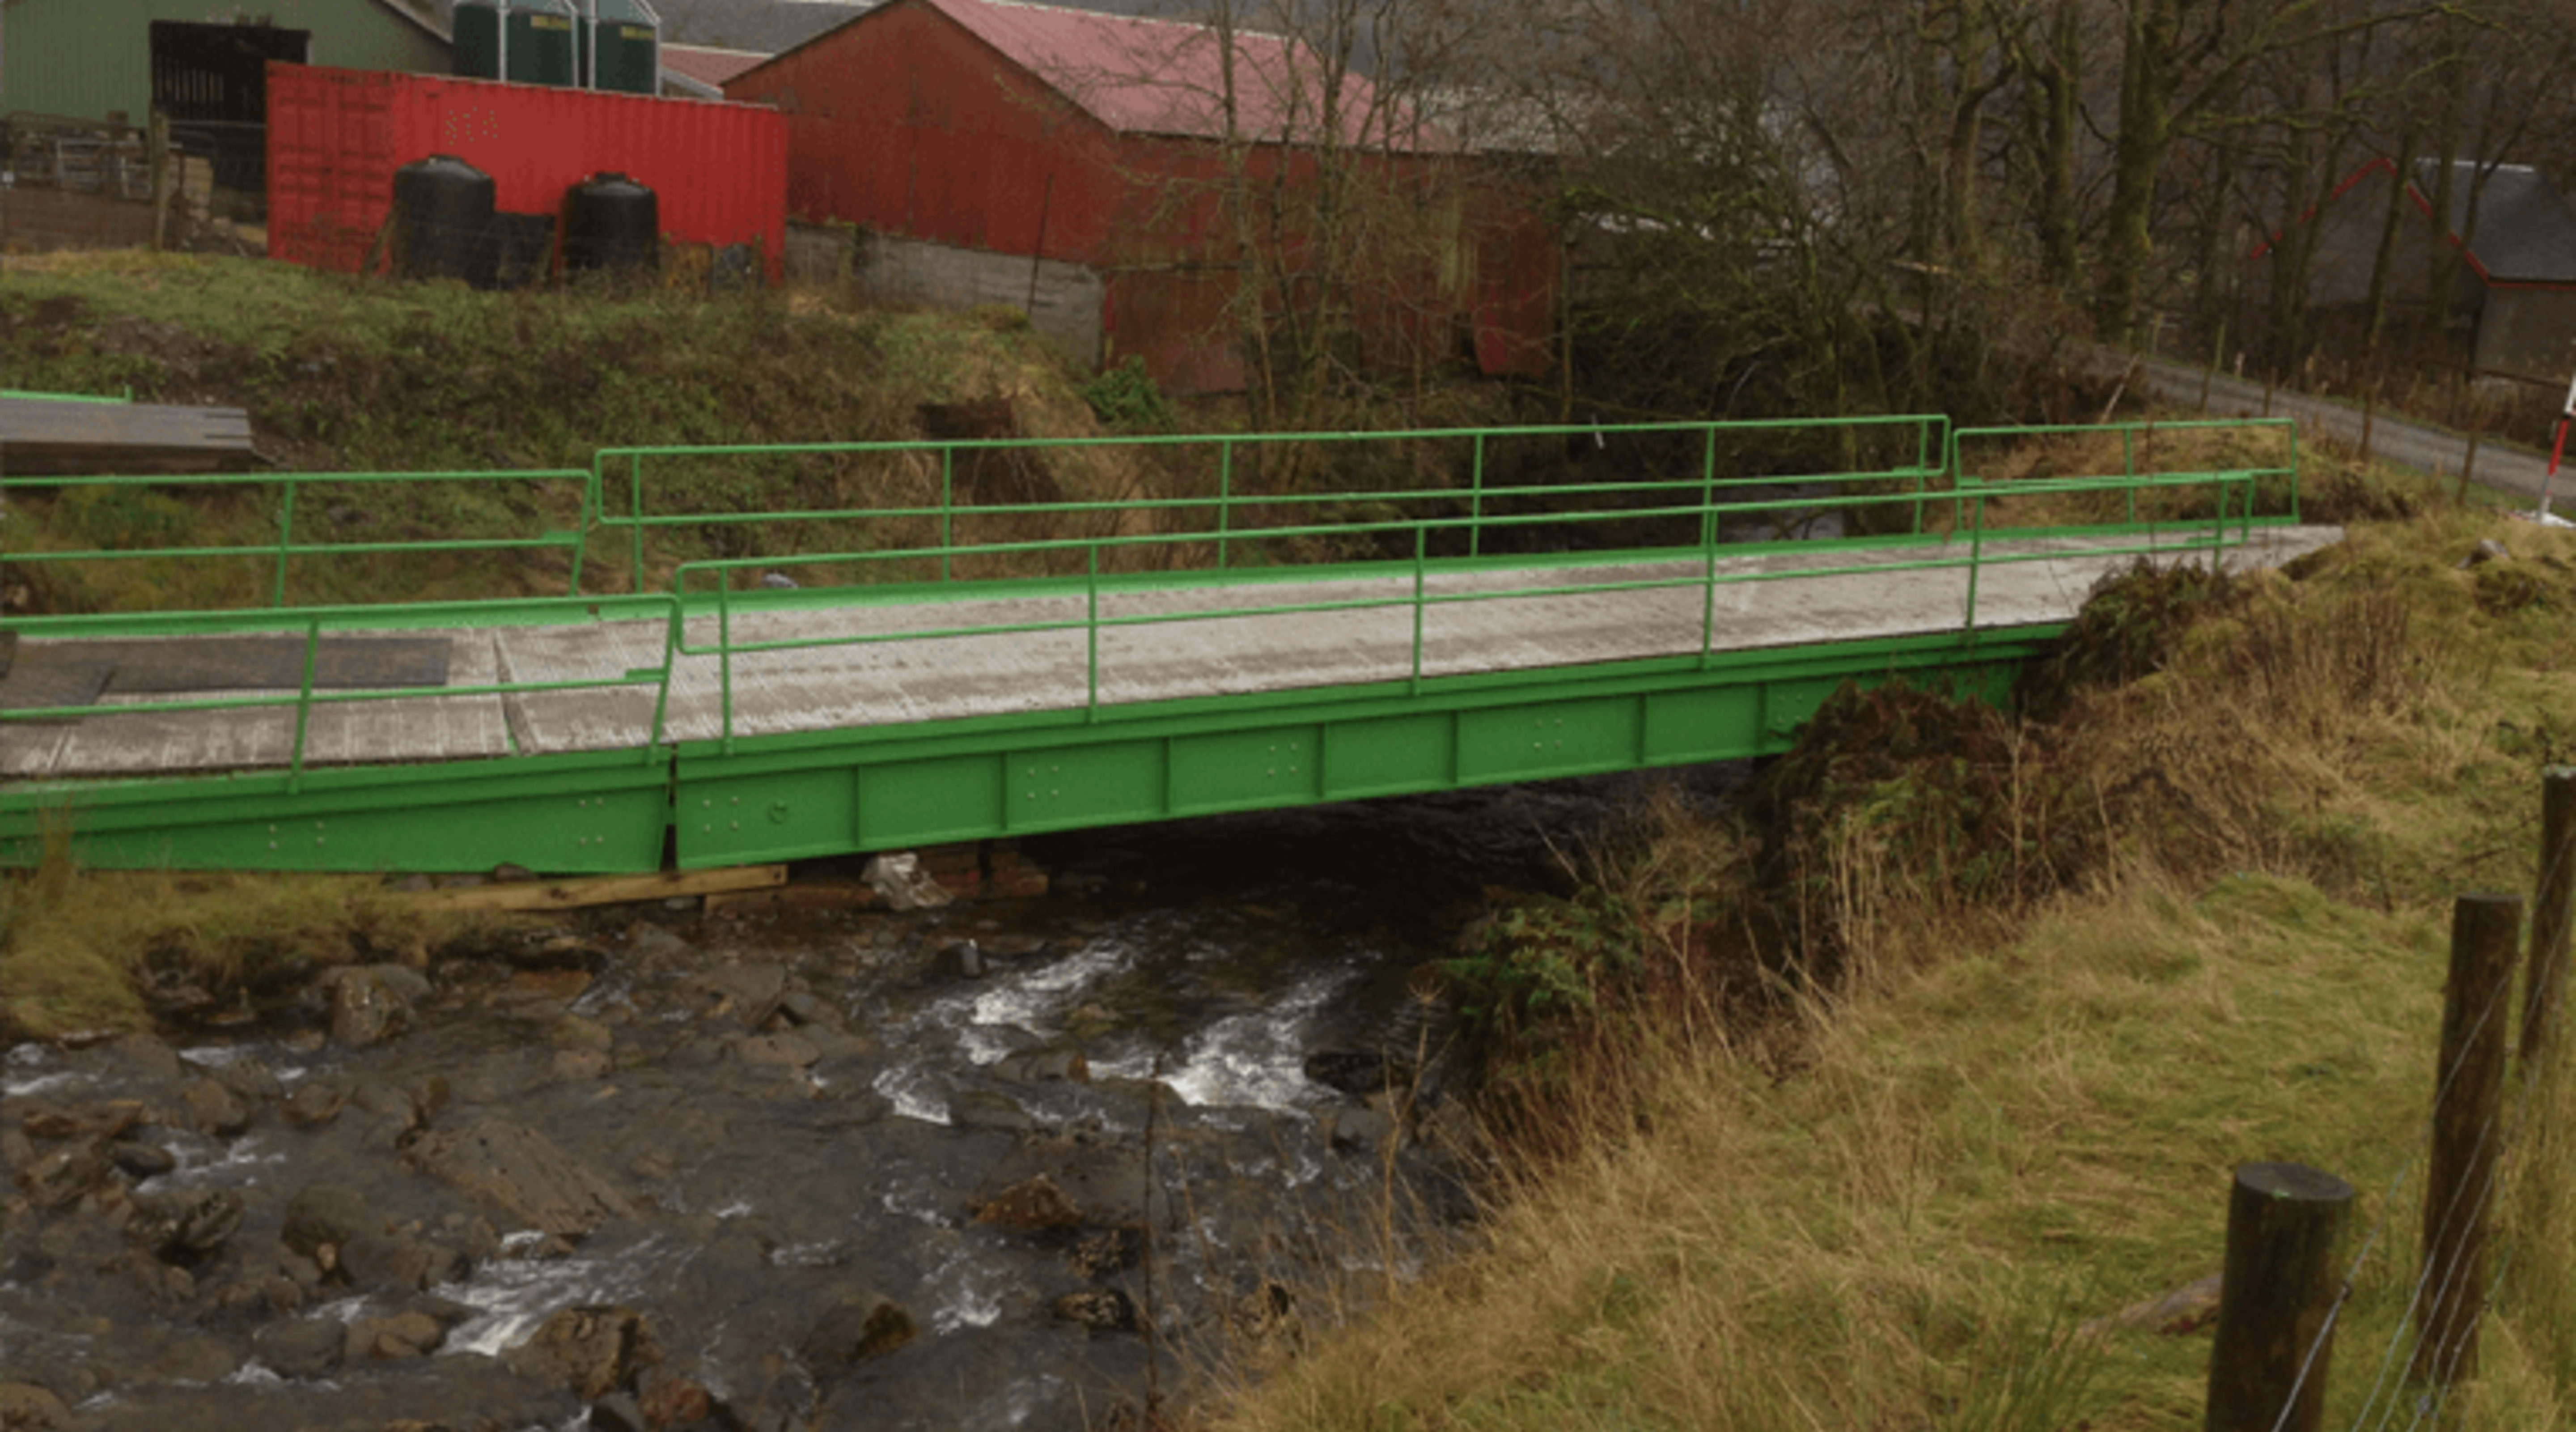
<point x="285" y="541"/>
<point x="1224" y="497"/>
<point x="582" y="529"/>
<point x="672" y="637"/>
<point x="635" y="515"/>
<point x="1476" y="499"/>
<point x="2129" y="466"/>
<point x="304" y="704"/>
<point x="1091" y="635"/>
<point x="724" y="648"/>
<point x="947" y="510"/>
<point x="1708" y="608"/>
<point x="2294" y="473"/>
<point x="1708" y="489"/>
<point x="1976" y="547"/>
<point x="1421" y="572"/>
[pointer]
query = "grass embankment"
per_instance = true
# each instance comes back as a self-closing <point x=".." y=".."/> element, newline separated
<point x="2084" y="966"/>
<point x="368" y="375"/>
<point x="84" y="950"/>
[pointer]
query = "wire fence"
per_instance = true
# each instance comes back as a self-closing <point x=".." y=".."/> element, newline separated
<point x="2271" y="1365"/>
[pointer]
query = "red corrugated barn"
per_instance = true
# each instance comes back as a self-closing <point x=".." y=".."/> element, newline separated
<point x="1081" y="165"/>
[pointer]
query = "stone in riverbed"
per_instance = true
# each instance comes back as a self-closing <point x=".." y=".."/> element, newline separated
<point x="301" y="1347"/>
<point x="25" y="1405"/>
<point x="186" y="1227"/>
<point x="749" y="993"/>
<point x="404" y="1335"/>
<point x="326" y="1213"/>
<point x="211" y="1108"/>
<point x="142" y="1160"/>
<point x="60" y="1178"/>
<point x="1054" y="1182"/>
<point x="1107" y="1310"/>
<point x="788" y="1050"/>
<point x="861" y="1324"/>
<point x="107" y="1118"/>
<point x="592" y="1350"/>
<point x="989" y="1109"/>
<point x="315" y="1101"/>
<point x="371" y="1003"/>
<point x="523" y="1175"/>
<point x="394" y="1260"/>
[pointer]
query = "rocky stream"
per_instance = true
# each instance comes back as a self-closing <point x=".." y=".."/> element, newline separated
<point x="836" y="1169"/>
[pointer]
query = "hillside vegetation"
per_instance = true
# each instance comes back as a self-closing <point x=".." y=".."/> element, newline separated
<point x="1856" y="1112"/>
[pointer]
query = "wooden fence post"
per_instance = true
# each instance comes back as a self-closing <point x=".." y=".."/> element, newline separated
<point x="2553" y="912"/>
<point x="2467" y="1137"/>
<point x="2267" y="1371"/>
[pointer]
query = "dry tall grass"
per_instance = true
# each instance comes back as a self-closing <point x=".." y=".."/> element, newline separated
<point x="2015" y="1110"/>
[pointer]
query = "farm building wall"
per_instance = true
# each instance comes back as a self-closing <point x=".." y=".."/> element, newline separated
<point x="87" y="59"/>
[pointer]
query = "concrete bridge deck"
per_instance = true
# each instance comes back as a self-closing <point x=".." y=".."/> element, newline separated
<point x="1159" y="643"/>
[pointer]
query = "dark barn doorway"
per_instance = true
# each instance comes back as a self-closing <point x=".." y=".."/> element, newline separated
<point x="212" y="83"/>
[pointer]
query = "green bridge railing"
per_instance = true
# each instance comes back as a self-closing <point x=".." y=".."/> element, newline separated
<point x="1918" y="499"/>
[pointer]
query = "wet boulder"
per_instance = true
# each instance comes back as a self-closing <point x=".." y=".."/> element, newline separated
<point x="25" y="1405"/>
<point x="48" y="1121"/>
<point x="145" y="1058"/>
<point x="141" y="1160"/>
<point x="326" y="1215"/>
<point x="593" y="1351"/>
<point x="391" y="1339"/>
<point x="398" y="1260"/>
<point x="523" y="1176"/>
<point x="903" y="883"/>
<point x="989" y="1109"/>
<point x="187" y="1227"/>
<point x="861" y="1324"/>
<point x="1359" y="1072"/>
<point x="61" y="1178"/>
<point x="1054" y="1064"/>
<point x="316" y="1101"/>
<point x="371" y="1003"/>
<point x="210" y="1108"/>
<point x="1056" y="1181"/>
<point x="301" y="1347"/>
<point x="250" y="1079"/>
<point x="747" y="993"/>
<point x="1107" y="1310"/>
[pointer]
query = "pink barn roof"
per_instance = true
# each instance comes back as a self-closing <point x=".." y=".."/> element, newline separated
<point x="1146" y="76"/>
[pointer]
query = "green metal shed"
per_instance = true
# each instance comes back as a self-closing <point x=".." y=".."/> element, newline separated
<point x="93" y="59"/>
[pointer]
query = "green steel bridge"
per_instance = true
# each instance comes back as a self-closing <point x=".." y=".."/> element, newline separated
<point x="706" y="679"/>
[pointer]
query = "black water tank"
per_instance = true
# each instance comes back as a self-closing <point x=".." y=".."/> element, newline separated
<point x="443" y="213"/>
<point x="610" y="222"/>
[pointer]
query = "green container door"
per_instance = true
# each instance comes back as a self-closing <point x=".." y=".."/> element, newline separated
<point x="540" y="48"/>
<point x="629" y="55"/>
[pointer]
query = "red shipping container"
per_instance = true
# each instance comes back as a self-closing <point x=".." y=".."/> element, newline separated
<point x="335" y="138"/>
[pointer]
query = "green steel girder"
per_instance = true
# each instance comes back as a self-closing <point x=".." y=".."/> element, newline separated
<point x="570" y="815"/>
<point x="792" y="798"/>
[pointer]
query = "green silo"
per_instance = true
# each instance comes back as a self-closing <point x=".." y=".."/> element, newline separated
<point x="539" y="36"/>
<point x="628" y="50"/>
